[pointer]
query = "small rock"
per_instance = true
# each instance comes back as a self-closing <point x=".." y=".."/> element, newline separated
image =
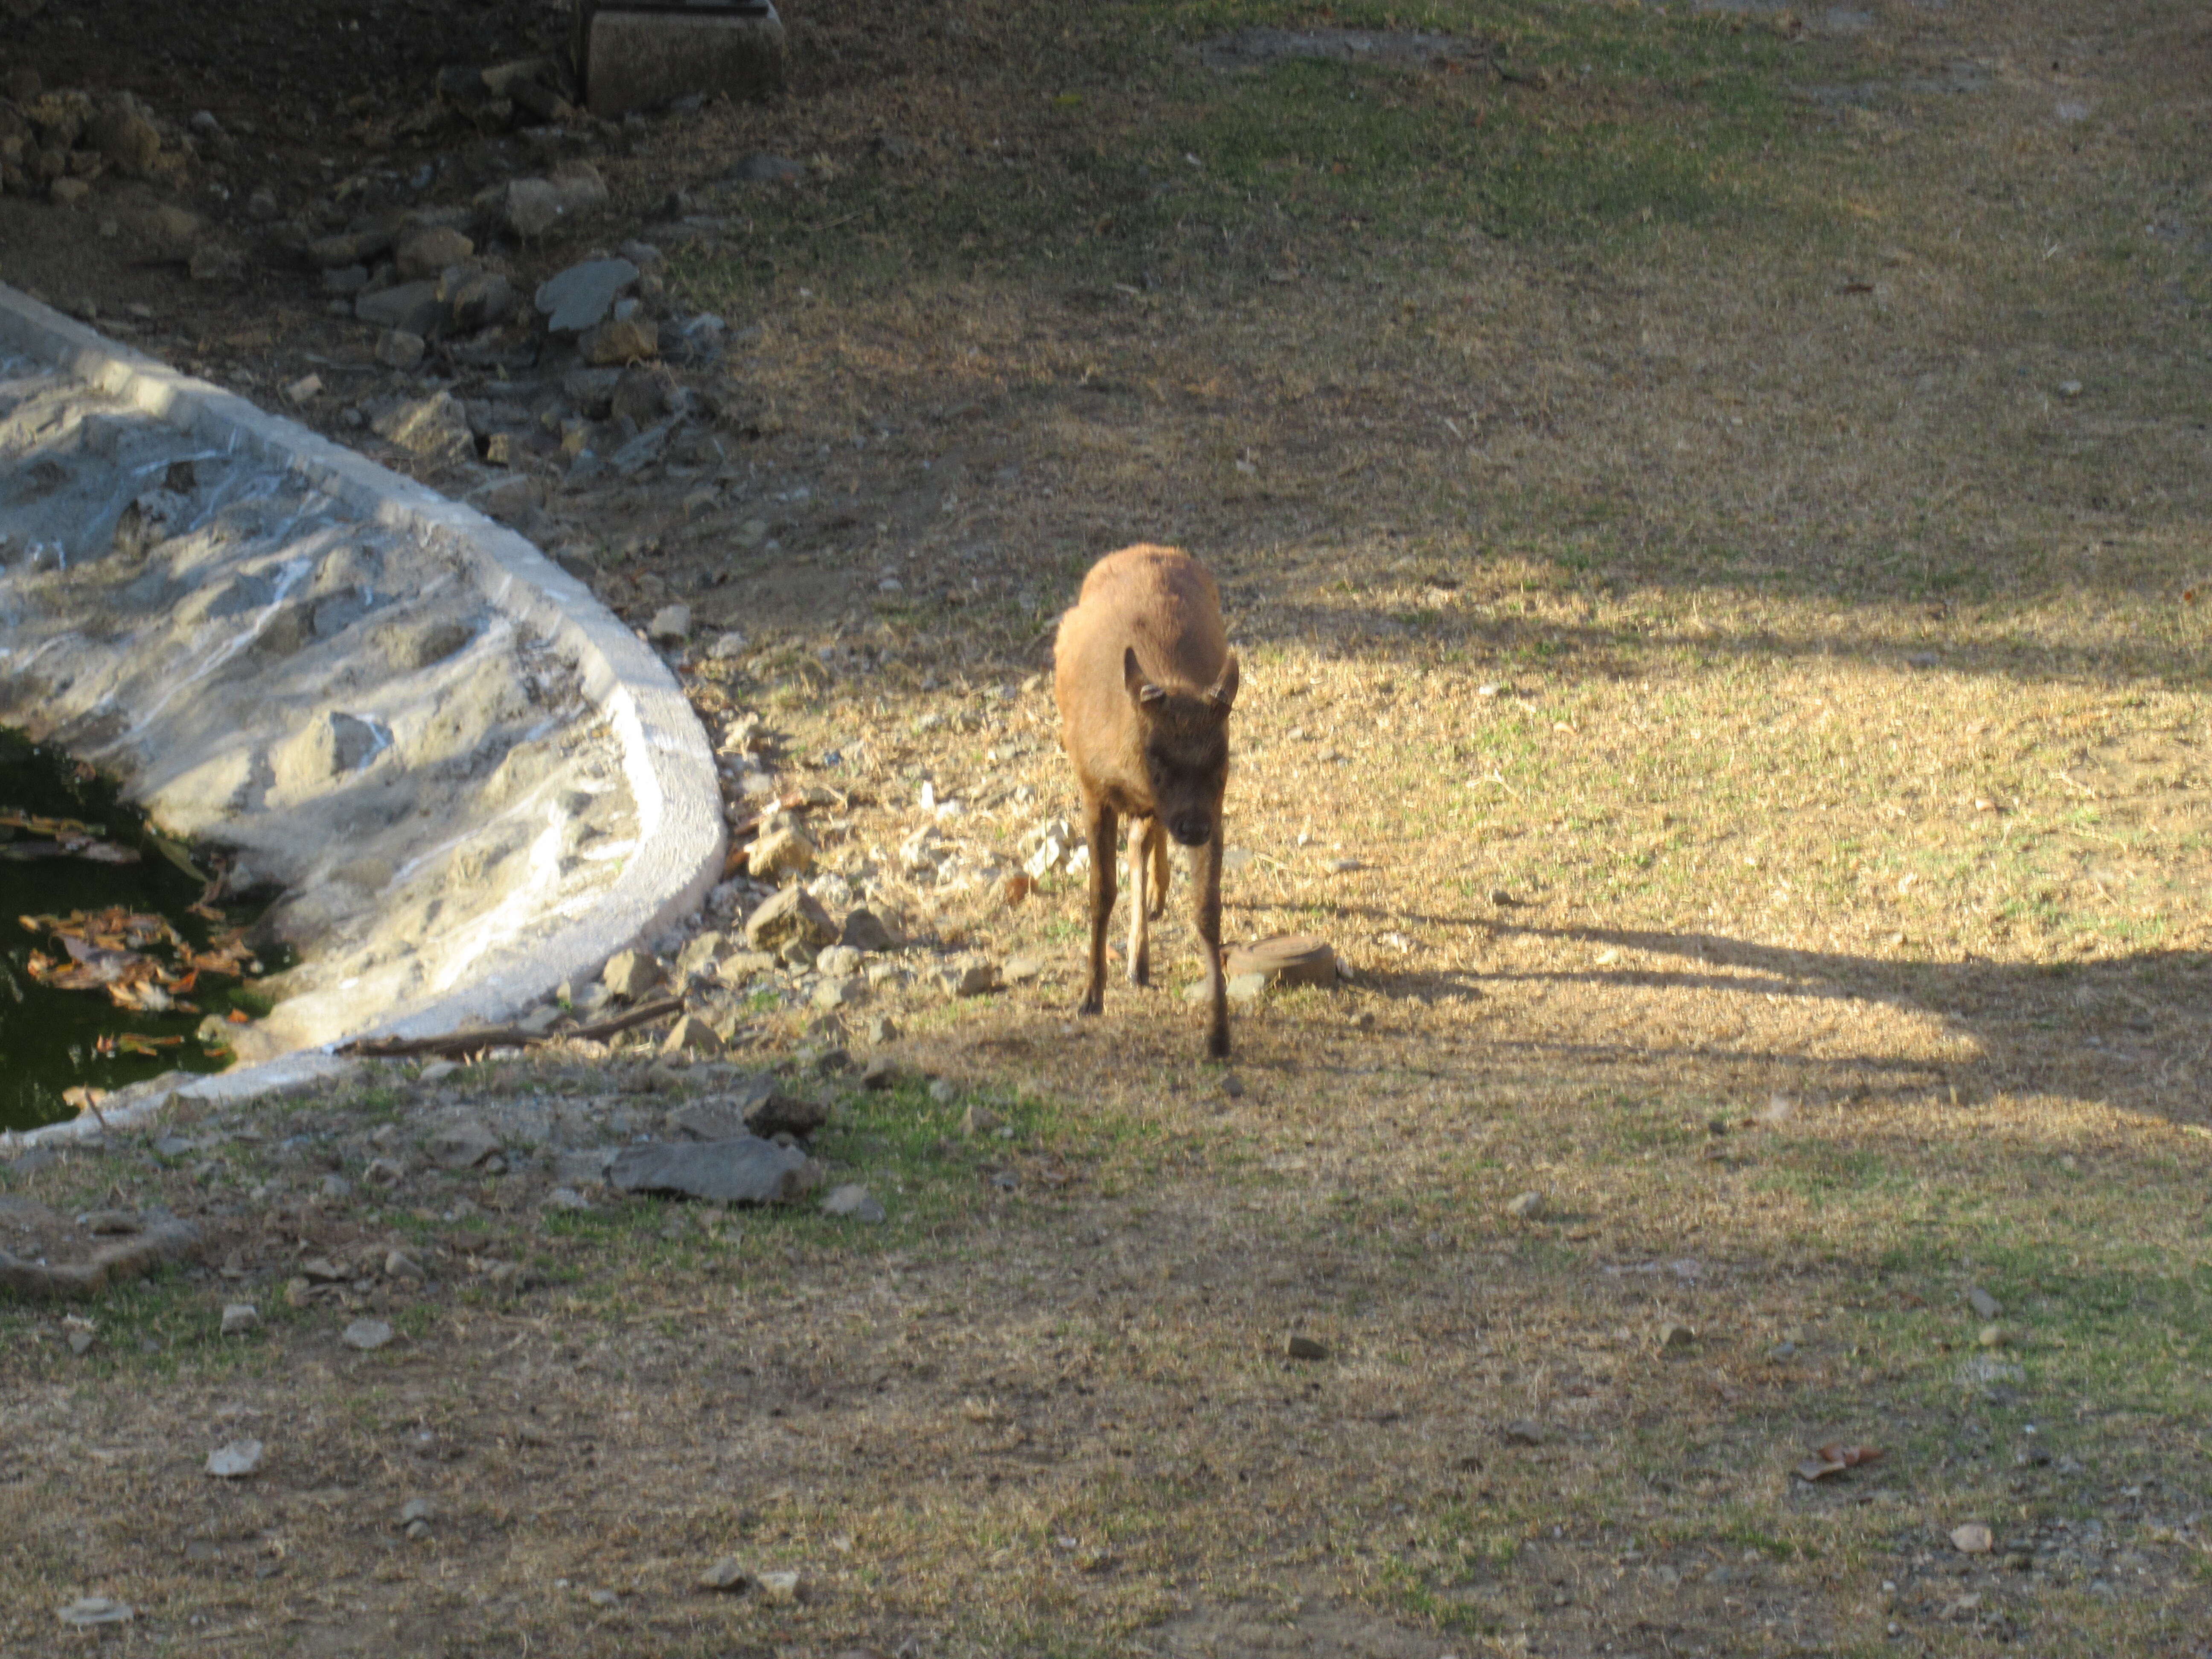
<point x="1972" y="1539"/>
<point x="2069" y="388"/>
<point x="397" y="349"/>
<point x="435" y="428"/>
<point x="629" y="974"/>
<point x="727" y="646"/>
<point x="943" y="1090"/>
<point x="1298" y="1346"/>
<point x="1523" y="1432"/>
<point x="462" y="1145"/>
<point x="107" y="1223"/>
<point x="68" y="193"/>
<point x="475" y="298"/>
<point x="437" y="1072"/>
<point x="240" y="1317"/>
<point x="880" y="1072"/>
<point x="336" y="1186"/>
<point x="779" y="1588"/>
<point x="791" y="914"/>
<point x="1022" y="967"/>
<point x="691" y="1034"/>
<point x="1233" y="1086"/>
<point x="880" y="1029"/>
<point x="415" y="1509"/>
<point x="864" y="931"/>
<point x="87" y="1611"/>
<point x="671" y="625"/>
<point x="970" y="979"/>
<point x="397" y="1264"/>
<point x="785" y="850"/>
<point x="413" y="306"/>
<point x="367" y="1334"/>
<point x="976" y="1119"/>
<point x="726" y="1575"/>
<point x="622" y="340"/>
<point x="580" y="297"/>
<point x="567" y="1197"/>
<point x="1994" y="1336"/>
<point x="1984" y="1305"/>
<point x="835" y="994"/>
<point x="305" y="389"/>
<point x="235" y="1461"/>
<point x="745" y="1169"/>
<point x="838" y="962"/>
<point x="1528" y="1207"/>
<point x="1244" y="989"/>
<point x="427" y="253"/>
<point x="1674" y="1338"/>
<point x="853" y="1200"/>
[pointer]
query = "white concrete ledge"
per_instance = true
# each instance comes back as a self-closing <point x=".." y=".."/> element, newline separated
<point x="667" y="760"/>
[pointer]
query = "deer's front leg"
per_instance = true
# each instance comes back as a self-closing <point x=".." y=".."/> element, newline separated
<point x="1206" y="876"/>
<point x="1102" y="827"/>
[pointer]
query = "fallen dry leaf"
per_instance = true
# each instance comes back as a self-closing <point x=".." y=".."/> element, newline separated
<point x="1834" y="1459"/>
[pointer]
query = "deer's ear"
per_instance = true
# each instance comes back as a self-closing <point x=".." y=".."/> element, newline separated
<point x="1133" y="678"/>
<point x="1224" y="694"/>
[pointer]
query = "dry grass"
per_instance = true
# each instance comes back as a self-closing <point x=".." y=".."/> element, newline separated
<point x="1736" y="590"/>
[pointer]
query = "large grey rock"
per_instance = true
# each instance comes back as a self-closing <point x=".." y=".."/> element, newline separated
<point x="744" y="1169"/>
<point x="581" y="296"/>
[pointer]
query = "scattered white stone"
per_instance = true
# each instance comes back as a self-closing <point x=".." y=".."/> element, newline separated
<point x="397" y="1264"/>
<point x="235" y="1461"/>
<point x="726" y="646"/>
<point x="367" y="1334"/>
<point x="304" y="388"/>
<point x="436" y="1072"/>
<point x="240" y="1317"/>
<point x="854" y="1200"/>
<point x="728" y="1575"/>
<point x="567" y="1197"/>
<point x="89" y="1610"/>
<point x="779" y="1588"/>
<point x="1528" y="1207"/>
<point x="671" y="625"/>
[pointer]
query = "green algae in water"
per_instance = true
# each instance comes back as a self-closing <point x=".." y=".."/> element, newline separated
<point x="54" y="1040"/>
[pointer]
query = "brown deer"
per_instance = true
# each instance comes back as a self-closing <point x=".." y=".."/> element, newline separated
<point x="1144" y="678"/>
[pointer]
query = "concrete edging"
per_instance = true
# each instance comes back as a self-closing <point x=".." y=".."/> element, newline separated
<point x="667" y="760"/>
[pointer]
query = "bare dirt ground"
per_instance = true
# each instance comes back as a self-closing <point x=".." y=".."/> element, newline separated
<point x="1712" y="507"/>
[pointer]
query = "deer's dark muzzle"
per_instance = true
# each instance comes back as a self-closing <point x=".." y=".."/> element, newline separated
<point x="1192" y="829"/>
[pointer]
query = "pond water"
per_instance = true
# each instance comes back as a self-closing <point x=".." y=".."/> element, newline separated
<point x="117" y="963"/>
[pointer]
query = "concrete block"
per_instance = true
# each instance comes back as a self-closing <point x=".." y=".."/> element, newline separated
<point x="641" y="56"/>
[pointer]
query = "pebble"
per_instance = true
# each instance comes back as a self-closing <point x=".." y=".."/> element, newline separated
<point x="838" y="962"/>
<point x="726" y="1575"/>
<point x="235" y="1461"/>
<point x="1298" y="1346"/>
<point x="853" y="1200"/>
<point x="1021" y="968"/>
<point x="1972" y="1539"/>
<point x="864" y="931"/>
<point x="976" y="1119"/>
<point x="367" y="1334"/>
<point x="629" y="974"/>
<point x="786" y="850"/>
<point x="671" y="625"/>
<point x="397" y="1264"/>
<point x="779" y="1588"/>
<point x="336" y="1186"/>
<point x="567" y="1197"/>
<point x="726" y="647"/>
<point x="622" y="340"/>
<point x="1994" y="1336"/>
<point x="463" y="1145"/>
<point x="90" y="1610"/>
<point x="691" y="1034"/>
<point x="881" y="1071"/>
<point x="436" y="1072"/>
<point x="416" y="1509"/>
<point x="943" y="1090"/>
<point x="1674" y="1338"/>
<point x="761" y="168"/>
<point x="1984" y="1305"/>
<point x="1233" y="1086"/>
<point x="1523" y="1432"/>
<point x="240" y="1317"/>
<point x="1528" y="1207"/>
